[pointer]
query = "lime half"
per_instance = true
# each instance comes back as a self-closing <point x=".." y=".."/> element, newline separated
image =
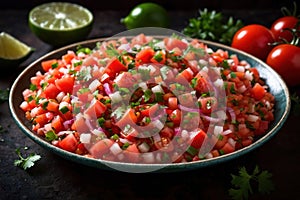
<point x="12" y="51"/>
<point x="60" y="23"/>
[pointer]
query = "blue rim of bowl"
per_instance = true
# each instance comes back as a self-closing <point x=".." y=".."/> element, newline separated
<point x="171" y="167"/>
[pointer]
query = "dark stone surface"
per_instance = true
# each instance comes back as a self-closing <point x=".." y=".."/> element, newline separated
<point x="55" y="178"/>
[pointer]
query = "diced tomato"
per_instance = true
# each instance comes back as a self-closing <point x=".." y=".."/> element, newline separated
<point x="57" y="124"/>
<point x="51" y="91"/>
<point x="101" y="147"/>
<point x="187" y="74"/>
<point x="144" y="56"/>
<point x="159" y="57"/>
<point x="207" y="104"/>
<point x="41" y="119"/>
<point x="175" y="116"/>
<point x="96" y="109"/>
<point x="80" y="124"/>
<point x="114" y="67"/>
<point x="132" y="153"/>
<point x="65" y="84"/>
<point x="67" y="58"/>
<point x="198" y="140"/>
<point x="52" y="106"/>
<point x="129" y="118"/>
<point x="48" y="64"/>
<point x="258" y="91"/>
<point x="125" y="80"/>
<point x="173" y="103"/>
<point x="25" y="106"/>
<point x="172" y="43"/>
<point x="69" y="143"/>
<point x="227" y="148"/>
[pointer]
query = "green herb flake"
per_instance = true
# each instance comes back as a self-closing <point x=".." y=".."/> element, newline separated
<point x="54" y="65"/>
<point x="64" y="109"/>
<point x="50" y="136"/>
<point x="101" y="121"/>
<point x="147" y="95"/>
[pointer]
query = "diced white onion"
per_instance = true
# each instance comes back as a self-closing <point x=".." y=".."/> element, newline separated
<point x="249" y="75"/>
<point x="143" y="85"/>
<point x="48" y="127"/>
<point x="158" y="124"/>
<point x="228" y="131"/>
<point x="221" y="114"/>
<point x="60" y="96"/>
<point x="218" y="130"/>
<point x="156" y="138"/>
<point x="94" y="85"/>
<point x="98" y="133"/>
<point x="148" y="157"/>
<point x="209" y="50"/>
<point x="115" y="97"/>
<point x="184" y="134"/>
<point x="242" y="89"/>
<point x="121" y="156"/>
<point x="144" y="147"/>
<point x="202" y="62"/>
<point x="63" y="70"/>
<point x="85" y="138"/>
<point x="232" y="142"/>
<point x="209" y="155"/>
<point x="219" y="83"/>
<point x="252" y="118"/>
<point x="205" y="69"/>
<point x="157" y="89"/>
<point x="158" y="157"/>
<point x="160" y="45"/>
<point x="115" y="149"/>
<point x="240" y="68"/>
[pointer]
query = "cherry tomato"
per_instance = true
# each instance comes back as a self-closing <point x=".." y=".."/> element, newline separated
<point x="254" y="39"/>
<point x="282" y="23"/>
<point x="285" y="59"/>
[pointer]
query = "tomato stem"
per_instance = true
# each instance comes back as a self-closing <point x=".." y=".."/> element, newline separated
<point x="286" y="12"/>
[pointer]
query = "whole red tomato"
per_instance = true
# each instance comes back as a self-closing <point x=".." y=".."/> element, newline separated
<point x="285" y="60"/>
<point x="254" y="39"/>
<point x="279" y="26"/>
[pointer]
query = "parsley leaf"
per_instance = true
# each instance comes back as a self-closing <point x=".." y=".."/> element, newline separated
<point x="243" y="183"/>
<point x="27" y="162"/>
<point x="4" y="95"/>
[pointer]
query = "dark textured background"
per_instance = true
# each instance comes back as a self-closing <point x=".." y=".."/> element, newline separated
<point x="56" y="178"/>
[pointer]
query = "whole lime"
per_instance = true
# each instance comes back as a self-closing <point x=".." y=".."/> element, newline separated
<point x="146" y="15"/>
<point x="60" y="23"/>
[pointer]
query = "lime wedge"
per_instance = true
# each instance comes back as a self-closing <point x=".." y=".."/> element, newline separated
<point x="12" y="51"/>
<point x="60" y="23"/>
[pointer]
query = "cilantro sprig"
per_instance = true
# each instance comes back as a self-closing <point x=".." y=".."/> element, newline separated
<point x="243" y="183"/>
<point x="26" y="162"/>
<point x="212" y="25"/>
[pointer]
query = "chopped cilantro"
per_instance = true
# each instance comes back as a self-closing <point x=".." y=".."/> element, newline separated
<point x="32" y="87"/>
<point x="147" y="95"/>
<point x="54" y="65"/>
<point x="50" y="136"/>
<point x="112" y="51"/>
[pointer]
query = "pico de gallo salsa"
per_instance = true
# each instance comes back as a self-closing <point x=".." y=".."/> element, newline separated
<point x="148" y="100"/>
